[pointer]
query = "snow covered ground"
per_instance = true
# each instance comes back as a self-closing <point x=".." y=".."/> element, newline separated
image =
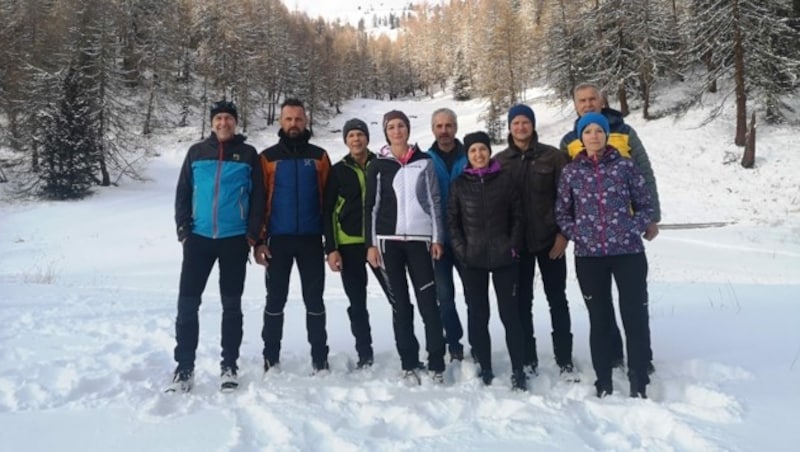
<point x="88" y="292"/>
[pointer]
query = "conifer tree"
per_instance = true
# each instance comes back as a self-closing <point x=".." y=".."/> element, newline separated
<point x="462" y="87"/>
<point x="69" y="144"/>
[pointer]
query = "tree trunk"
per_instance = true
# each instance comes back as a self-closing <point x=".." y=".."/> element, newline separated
<point x="101" y="132"/>
<point x="148" y="116"/>
<point x="739" y="77"/>
<point x="712" y="85"/>
<point x="622" y="96"/>
<point x="106" y="179"/>
<point x="749" y="156"/>
<point x="796" y="18"/>
<point x="645" y="82"/>
<point x="205" y="103"/>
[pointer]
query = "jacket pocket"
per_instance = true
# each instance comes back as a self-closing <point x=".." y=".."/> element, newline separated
<point x="543" y="178"/>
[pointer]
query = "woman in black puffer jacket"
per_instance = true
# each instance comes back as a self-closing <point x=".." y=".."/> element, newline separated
<point x="484" y="217"/>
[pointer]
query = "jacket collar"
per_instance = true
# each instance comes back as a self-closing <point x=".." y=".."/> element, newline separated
<point x="493" y="168"/>
<point x="301" y="139"/>
<point x="236" y="139"/>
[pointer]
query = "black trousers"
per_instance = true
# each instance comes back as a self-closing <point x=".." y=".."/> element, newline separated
<point x="554" y="280"/>
<point x="630" y="274"/>
<point x="308" y="253"/>
<point x="354" y="280"/>
<point x="617" y="354"/>
<point x="399" y="257"/>
<point x="476" y="293"/>
<point x="199" y="255"/>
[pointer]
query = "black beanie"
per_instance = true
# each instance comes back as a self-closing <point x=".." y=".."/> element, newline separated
<point x="477" y="137"/>
<point x="224" y="106"/>
<point x="354" y="124"/>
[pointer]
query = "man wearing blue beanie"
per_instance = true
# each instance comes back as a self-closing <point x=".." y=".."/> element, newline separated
<point x="536" y="168"/>
<point x="524" y="110"/>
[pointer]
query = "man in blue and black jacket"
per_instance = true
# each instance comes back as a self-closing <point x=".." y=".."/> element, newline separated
<point x="295" y="173"/>
<point x="219" y="209"/>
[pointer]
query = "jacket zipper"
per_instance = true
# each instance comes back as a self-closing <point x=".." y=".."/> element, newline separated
<point x="215" y="201"/>
<point x="296" y="191"/>
<point x="601" y="210"/>
<point x="485" y="209"/>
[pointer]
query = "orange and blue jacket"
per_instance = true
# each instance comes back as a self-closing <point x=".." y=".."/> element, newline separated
<point x="295" y="174"/>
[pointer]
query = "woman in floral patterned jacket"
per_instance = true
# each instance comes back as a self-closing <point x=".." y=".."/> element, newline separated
<point x="604" y="206"/>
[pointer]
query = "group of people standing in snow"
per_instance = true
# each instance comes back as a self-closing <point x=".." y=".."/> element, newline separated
<point x="405" y="212"/>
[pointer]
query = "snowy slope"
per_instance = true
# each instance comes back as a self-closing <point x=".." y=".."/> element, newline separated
<point x="87" y="304"/>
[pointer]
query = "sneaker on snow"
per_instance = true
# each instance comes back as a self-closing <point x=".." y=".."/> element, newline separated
<point x="638" y="386"/>
<point x="229" y="381"/>
<point x="486" y="376"/>
<point x="411" y="377"/>
<point x="437" y="377"/>
<point x="182" y="381"/>
<point x="530" y="369"/>
<point x="456" y="355"/>
<point x="567" y="372"/>
<point x="269" y="365"/>
<point x="364" y="362"/>
<point x="320" y="366"/>
<point x="519" y="381"/>
<point x="603" y="388"/>
<point x="638" y="392"/>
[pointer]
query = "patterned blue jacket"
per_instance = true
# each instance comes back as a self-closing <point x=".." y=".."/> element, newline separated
<point x="603" y="205"/>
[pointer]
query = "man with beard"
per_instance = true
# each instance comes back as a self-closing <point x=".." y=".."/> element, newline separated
<point x="295" y="174"/>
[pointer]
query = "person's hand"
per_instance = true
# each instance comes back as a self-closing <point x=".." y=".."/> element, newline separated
<point x="335" y="261"/>
<point x="374" y="257"/>
<point x="262" y="255"/>
<point x="437" y="251"/>
<point x="651" y="231"/>
<point x="559" y="247"/>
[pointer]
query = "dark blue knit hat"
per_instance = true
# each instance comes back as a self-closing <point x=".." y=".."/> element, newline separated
<point x="521" y="109"/>
<point x="592" y="118"/>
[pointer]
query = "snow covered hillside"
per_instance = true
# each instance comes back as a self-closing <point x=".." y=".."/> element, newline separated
<point x="88" y="296"/>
